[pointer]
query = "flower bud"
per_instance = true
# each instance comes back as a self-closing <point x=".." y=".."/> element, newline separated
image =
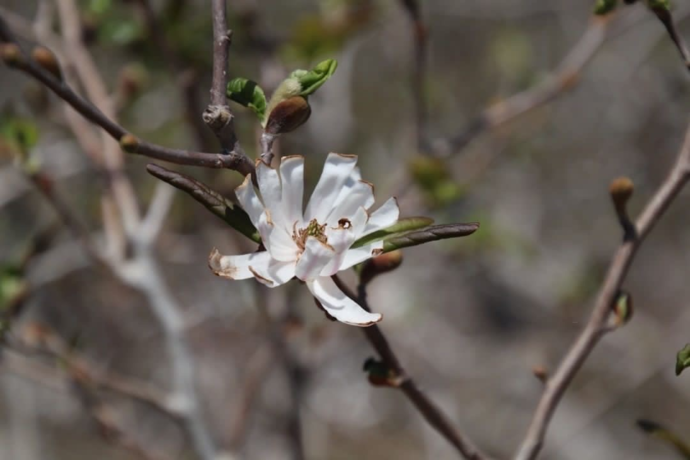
<point x="288" y="115"/>
<point x="380" y="264"/>
<point x="621" y="190"/>
<point x="129" y="143"/>
<point x="10" y="54"/>
<point x="47" y="60"/>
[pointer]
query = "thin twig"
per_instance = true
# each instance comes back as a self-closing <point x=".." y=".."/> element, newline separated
<point x="666" y="19"/>
<point x="429" y="410"/>
<point x="597" y="325"/>
<point x="232" y="160"/>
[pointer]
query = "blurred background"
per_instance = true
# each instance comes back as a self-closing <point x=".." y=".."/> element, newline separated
<point x="469" y="318"/>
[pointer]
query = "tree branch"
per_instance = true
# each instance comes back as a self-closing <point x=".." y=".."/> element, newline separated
<point x="596" y="326"/>
<point x="429" y="410"/>
<point x="235" y="160"/>
<point x="218" y="116"/>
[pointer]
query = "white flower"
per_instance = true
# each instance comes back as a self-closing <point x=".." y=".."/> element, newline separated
<point x="315" y="244"/>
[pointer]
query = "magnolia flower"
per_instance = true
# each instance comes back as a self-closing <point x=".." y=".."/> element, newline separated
<point x="315" y="244"/>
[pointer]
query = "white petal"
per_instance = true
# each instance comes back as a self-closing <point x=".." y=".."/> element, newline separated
<point x="316" y="255"/>
<point x="236" y="267"/>
<point x="274" y="273"/>
<point x="383" y="217"/>
<point x="271" y="191"/>
<point x="249" y="200"/>
<point x="355" y="176"/>
<point x="340" y="240"/>
<point x="360" y="195"/>
<point x="335" y="173"/>
<point x="292" y="177"/>
<point x="354" y="256"/>
<point x="276" y="241"/>
<point x="359" y="221"/>
<point x="340" y="306"/>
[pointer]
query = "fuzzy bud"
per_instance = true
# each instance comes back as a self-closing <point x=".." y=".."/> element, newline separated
<point x="380" y="264"/>
<point x="47" y="60"/>
<point x="288" y="115"/>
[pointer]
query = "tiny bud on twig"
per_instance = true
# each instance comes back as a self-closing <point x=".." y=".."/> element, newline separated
<point x="379" y="265"/>
<point x="129" y="143"/>
<point x="622" y="308"/>
<point x="540" y="373"/>
<point x="621" y="190"/>
<point x="46" y="59"/>
<point x="10" y="54"/>
<point x="380" y="374"/>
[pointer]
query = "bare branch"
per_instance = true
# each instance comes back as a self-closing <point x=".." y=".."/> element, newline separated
<point x="218" y="116"/>
<point x="232" y="160"/>
<point x="596" y="326"/>
<point x="429" y="410"/>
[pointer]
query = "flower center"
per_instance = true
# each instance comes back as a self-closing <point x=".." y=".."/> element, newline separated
<point x="314" y="229"/>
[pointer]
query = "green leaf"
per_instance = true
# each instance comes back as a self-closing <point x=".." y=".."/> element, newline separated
<point x="403" y="225"/>
<point x="20" y="134"/>
<point x="602" y="7"/>
<point x="231" y="213"/>
<point x="11" y="285"/>
<point x="427" y="235"/>
<point x="683" y="359"/>
<point x="664" y="434"/>
<point x="249" y="94"/>
<point x="312" y="80"/>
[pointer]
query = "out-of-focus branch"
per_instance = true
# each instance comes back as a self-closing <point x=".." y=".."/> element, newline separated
<point x="429" y="410"/>
<point x="131" y="144"/>
<point x="563" y="78"/>
<point x="186" y="79"/>
<point x="45" y="185"/>
<point x="597" y="325"/>
<point x="83" y="377"/>
<point x="161" y="202"/>
<point x="293" y="372"/>
<point x="258" y="367"/>
<point x="420" y="35"/>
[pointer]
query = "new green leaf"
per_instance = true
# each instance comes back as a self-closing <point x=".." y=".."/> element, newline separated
<point x="312" y="80"/>
<point x="683" y="359"/>
<point x="249" y="94"/>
